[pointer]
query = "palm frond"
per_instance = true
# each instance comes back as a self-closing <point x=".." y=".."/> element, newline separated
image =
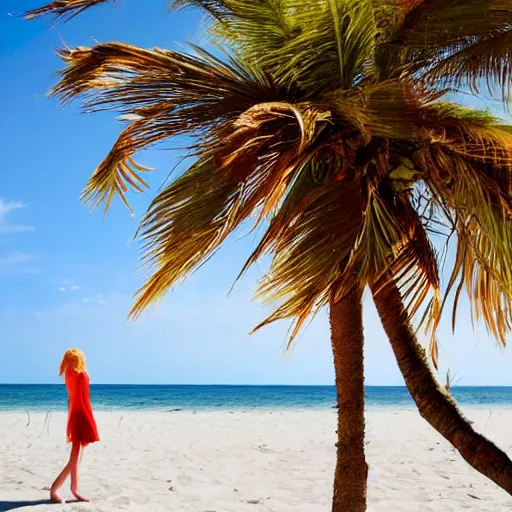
<point x="247" y="170"/>
<point x="64" y="9"/>
<point x="343" y="35"/>
<point x="303" y="271"/>
<point x="486" y="62"/>
<point x="221" y="10"/>
<point x="252" y="27"/>
<point x="485" y="271"/>
<point x="163" y="93"/>
<point x="415" y="271"/>
<point x="433" y="21"/>
<point x="470" y="133"/>
<point x="468" y="171"/>
<point x="391" y="109"/>
<point x="279" y="35"/>
<point x="461" y="43"/>
<point x="307" y="186"/>
<point x="381" y="232"/>
<point x="119" y="173"/>
<point x="185" y="224"/>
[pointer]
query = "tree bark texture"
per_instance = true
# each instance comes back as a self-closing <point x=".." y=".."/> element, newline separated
<point x="435" y="404"/>
<point x="350" y="478"/>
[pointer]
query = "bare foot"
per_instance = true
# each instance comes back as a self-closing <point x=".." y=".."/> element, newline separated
<point x="79" y="497"/>
<point x="55" y="497"/>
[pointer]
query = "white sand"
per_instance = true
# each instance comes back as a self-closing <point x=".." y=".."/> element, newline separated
<point x="237" y="462"/>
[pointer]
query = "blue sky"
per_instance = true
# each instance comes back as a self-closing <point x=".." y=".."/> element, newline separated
<point x="67" y="275"/>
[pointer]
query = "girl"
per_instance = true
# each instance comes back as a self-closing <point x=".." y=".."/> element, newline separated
<point x="81" y="428"/>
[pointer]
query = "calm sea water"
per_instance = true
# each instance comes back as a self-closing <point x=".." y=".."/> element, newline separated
<point x="166" y="398"/>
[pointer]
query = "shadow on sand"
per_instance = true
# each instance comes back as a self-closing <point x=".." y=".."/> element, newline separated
<point x="13" y="505"/>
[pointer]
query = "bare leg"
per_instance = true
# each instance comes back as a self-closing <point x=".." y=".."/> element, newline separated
<point x="59" y="482"/>
<point x="76" y="451"/>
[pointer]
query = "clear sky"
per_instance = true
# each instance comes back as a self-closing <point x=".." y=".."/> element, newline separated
<point x="67" y="275"/>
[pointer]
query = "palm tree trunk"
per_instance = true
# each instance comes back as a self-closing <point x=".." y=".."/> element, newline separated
<point x="433" y="403"/>
<point x="350" y="476"/>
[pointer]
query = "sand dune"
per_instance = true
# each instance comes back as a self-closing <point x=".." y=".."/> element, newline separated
<point x="256" y="461"/>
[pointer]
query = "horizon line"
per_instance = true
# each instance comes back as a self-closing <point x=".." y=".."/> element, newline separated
<point x="247" y="385"/>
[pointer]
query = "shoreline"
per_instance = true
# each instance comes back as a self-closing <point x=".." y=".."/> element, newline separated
<point x="176" y="409"/>
<point x="242" y="461"/>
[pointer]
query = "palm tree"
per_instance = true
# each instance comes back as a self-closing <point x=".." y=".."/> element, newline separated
<point x="329" y="118"/>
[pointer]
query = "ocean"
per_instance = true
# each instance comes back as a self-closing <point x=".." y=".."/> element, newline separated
<point x="43" y="398"/>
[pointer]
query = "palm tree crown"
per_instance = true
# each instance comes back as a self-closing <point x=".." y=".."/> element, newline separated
<point x="328" y="119"/>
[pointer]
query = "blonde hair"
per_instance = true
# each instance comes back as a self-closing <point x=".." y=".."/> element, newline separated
<point x="74" y="359"/>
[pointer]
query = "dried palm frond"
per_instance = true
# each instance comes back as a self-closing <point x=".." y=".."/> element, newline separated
<point x="302" y="272"/>
<point x="64" y="9"/>
<point x="414" y="269"/>
<point x="164" y="93"/>
<point x="246" y="170"/>
<point x="469" y="176"/>
<point x="485" y="271"/>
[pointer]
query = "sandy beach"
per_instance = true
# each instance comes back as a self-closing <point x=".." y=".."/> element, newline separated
<point x="255" y="461"/>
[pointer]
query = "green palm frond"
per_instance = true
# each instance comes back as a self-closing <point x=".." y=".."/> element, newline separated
<point x="470" y="134"/>
<point x="251" y="27"/>
<point x="280" y="34"/>
<point x="64" y="9"/>
<point x="343" y="35"/>
<point x="221" y="10"/>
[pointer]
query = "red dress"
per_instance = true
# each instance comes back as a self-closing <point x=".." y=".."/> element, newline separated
<point x="81" y="425"/>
